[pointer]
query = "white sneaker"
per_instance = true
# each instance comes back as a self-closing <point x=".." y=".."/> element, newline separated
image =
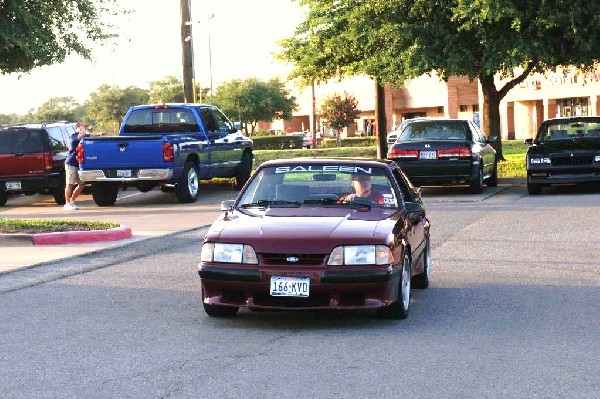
<point x="74" y="205"/>
<point x="69" y="207"/>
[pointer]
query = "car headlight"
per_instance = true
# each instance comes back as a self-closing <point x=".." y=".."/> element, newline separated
<point x="228" y="253"/>
<point x="360" y="255"/>
<point x="539" y="160"/>
<point x="597" y="158"/>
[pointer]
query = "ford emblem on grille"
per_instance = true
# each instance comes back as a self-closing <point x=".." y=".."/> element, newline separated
<point x="292" y="259"/>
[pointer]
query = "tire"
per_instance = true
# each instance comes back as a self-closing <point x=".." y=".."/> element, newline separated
<point x="400" y="308"/>
<point x="477" y="184"/>
<point x="492" y="181"/>
<point x="220" y="311"/>
<point x="59" y="192"/>
<point x="244" y="170"/>
<point x="105" y="194"/>
<point x="533" y="188"/>
<point x="187" y="188"/>
<point x="421" y="281"/>
<point x="3" y="198"/>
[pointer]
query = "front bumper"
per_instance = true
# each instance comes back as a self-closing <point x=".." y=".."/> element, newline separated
<point x="329" y="289"/>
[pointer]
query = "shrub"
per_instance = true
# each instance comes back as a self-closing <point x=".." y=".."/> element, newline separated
<point x="350" y="142"/>
<point x="284" y="142"/>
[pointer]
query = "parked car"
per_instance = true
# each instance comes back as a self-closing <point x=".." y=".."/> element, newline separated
<point x="307" y="140"/>
<point x="446" y="151"/>
<point x="395" y="133"/>
<point x="296" y="238"/>
<point x="564" y="151"/>
<point x="171" y="146"/>
<point x="32" y="159"/>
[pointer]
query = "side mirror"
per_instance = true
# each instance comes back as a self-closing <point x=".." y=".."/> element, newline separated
<point x="529" y="141"/>
<point x="227" y="205"/>
<point x="413" y="207"/>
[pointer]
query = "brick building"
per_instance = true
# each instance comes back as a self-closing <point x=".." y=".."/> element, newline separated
<point x="539" y="97"/>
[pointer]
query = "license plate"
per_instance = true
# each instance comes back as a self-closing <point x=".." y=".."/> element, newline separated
<point x="13" y="185"/>
<point x="123" y="173"/>
<point x="290" y="286"/>
<point x="427" y="155"/>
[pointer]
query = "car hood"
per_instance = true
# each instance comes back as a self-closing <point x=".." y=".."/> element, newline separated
<point x="304" y="230"/>
<point x="554" y="146"/>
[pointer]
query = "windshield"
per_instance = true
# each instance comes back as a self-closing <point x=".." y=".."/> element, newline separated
<point x="319" y="185"/>
<point x="434" y="130"/>
<point x="568" y="130"/>
<point x="163" y="120"/>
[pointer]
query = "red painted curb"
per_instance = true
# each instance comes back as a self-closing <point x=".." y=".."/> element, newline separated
<point x="78" y="237"/>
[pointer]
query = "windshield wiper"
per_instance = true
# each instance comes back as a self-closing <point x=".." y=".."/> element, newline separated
<point x="266" y="203"/>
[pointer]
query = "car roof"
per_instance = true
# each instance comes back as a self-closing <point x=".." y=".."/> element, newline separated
<point x="172" y="105"/>
<point x="333" y="161"/>
<point x="565" y="119"/>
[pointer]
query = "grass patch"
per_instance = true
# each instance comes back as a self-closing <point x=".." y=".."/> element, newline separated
<point x="33" y="226"/>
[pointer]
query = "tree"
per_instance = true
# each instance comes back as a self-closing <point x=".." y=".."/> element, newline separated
<point x="35" y="33"/>
<point x="57" y="108"/>
<point x="251" y="100"/>
<point x="108" y="105"/>
<point x="340" y="112"/>
<point x="499" y="42"/>
<point x="168" y="90"/>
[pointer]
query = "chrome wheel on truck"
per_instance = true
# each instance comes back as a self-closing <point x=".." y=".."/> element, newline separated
<point x="186" y="189"/>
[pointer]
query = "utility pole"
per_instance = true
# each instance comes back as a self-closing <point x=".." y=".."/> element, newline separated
<point x="189" y="81"/>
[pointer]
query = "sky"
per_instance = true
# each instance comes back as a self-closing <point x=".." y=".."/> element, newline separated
<point x="146" y="47"/>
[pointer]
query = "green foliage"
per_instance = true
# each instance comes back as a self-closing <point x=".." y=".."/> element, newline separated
<point x="394" y="41"/>
<point x="339" y="111"/>
<point x="57" y="108"/>
<point x="32" y="226"/>
<point x="350" y="142"/>
<point x="109" y="104"/>
<point x="276" y="142"/>
<point x="35" y="33"/>
<point x="168" y="90"/>
<point x="252" y="100"/>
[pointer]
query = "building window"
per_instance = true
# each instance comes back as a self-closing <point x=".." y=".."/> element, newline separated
<point x="462" y="108"/>
<point x="440" y="110"/>
<point x="475" y="107"/>
<point x="566" y="107"/>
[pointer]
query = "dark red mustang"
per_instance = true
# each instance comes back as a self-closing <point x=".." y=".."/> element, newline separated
<point x="318" y="234"/>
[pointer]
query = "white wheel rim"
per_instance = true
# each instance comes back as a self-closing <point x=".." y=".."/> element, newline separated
<point x="193" y="182"/>
<point x="428" y="260"/>
<point x="406" y="283"/>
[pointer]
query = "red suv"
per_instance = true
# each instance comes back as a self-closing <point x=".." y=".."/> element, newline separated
<point x="32" y="158"/>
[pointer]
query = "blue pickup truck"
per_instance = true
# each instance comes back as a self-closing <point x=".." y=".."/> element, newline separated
<point x="171" y="146"/>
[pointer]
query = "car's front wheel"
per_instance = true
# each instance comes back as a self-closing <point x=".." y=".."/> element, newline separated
<point x="533" y="188"/>
<point x="477" y="184"/>
<point x="492" y="181"/>
<point x="399" y="309"/>
<point x="3" y="198"/>
<point x="244" y="170"/>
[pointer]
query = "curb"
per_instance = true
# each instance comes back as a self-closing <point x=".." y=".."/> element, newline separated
<point x="122" y="232"/>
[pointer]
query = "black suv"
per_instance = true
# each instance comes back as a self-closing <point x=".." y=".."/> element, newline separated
<point x="32" y="158"/>
<point x="564" y="151"/>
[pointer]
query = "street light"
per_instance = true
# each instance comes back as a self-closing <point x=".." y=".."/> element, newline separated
<point x="211" y="16"/>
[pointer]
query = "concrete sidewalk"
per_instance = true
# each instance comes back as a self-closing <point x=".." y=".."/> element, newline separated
<point x="146" y="215"/>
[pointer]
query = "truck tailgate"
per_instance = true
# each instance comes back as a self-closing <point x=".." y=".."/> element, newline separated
<point x="23" y="165"/>
<point x="123" y="152"/>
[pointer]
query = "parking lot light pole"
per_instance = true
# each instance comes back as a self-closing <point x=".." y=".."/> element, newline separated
<point x="189" y="81"/>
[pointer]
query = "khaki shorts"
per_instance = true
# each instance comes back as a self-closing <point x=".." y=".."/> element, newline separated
<point x="72" y="177"/>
